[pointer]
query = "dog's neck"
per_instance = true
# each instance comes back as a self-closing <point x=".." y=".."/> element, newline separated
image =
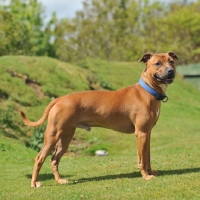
<point x="153" y="92"/>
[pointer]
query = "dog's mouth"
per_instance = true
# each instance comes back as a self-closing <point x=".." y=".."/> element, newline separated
<point x="167" y="80"/>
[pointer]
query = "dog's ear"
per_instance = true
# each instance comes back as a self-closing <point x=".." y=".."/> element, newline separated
<point x="173" y="55"/>
<point x="145" y="57"/>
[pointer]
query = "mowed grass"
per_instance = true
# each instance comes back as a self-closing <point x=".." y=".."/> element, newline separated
<point x="175" y="149"/>
<point x="111" y="177"/>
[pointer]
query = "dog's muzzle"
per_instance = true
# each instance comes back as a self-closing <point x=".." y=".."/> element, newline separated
<point x="168" y="78"/>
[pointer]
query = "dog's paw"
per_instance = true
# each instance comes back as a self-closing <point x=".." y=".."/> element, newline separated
<point x="148" y="177"/>
<point x="62" y="181"/>
<point x="152" y="172"/>
<point x="36" y="184"/>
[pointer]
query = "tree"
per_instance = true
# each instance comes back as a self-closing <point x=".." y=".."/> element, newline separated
<point x="183" y="30"/>
<point x="124" y="29"/>
<point x="119" y="30"/>
<point x="25" y="32"/>
<point x="112" y="30"/>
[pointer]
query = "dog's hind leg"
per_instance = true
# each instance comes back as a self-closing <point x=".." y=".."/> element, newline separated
<point x="51" y="137"/>
<point x="60" y="149"/>
<point x="48" y="146"/>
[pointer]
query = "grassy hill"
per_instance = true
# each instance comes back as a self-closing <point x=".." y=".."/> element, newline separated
<point x="29" y="84"/>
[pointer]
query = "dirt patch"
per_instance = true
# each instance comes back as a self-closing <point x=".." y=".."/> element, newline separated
<point x="36" y="86"/>
<point x="37" y="89"/>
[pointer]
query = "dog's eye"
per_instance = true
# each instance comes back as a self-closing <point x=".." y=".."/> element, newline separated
<point x="171" y="62"/>
<point x="158" y="63"/>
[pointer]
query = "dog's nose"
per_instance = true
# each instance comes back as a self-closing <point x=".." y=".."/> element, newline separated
<point x="170" y="71"/>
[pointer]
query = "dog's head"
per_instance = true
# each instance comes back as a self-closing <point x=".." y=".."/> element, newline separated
<point x="161" y="67"/>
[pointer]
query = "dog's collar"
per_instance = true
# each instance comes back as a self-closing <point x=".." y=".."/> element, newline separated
<point x="153" y="92"/>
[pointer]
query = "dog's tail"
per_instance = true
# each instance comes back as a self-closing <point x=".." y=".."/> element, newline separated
<point x="42" y="119"/>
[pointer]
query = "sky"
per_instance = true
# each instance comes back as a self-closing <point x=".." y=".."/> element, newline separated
<point x="63" y="8"/>
<point x="67" y="8"/>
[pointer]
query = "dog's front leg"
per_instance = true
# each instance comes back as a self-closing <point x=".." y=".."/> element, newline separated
<point x="142" y="150"/>
<point x="149" y="169"/>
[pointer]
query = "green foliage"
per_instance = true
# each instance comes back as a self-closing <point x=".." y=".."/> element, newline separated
<point x="123" y="29"/>
<point x="23" y="31"/>
<point x="37" y="138"/>
<point x="118" y="30"/>
<point x="180" y="30"/>
<point x="7" y="119"/>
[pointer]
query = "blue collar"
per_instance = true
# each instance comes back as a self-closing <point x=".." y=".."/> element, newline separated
<point x="151" y="91"/>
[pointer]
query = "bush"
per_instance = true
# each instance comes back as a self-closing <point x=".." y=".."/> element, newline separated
<point x="7" y="119"/>
<point x="37" y="138"/>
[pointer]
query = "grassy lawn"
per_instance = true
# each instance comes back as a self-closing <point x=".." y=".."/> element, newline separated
<point x="175" y="144"/>
<point x="111" y="177"/>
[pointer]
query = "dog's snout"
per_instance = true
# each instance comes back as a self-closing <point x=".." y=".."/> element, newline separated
<point x="170" y="71"/>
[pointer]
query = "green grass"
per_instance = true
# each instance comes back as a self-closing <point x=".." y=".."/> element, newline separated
<point x="111" y="177"/>
<point x="175" y="144"/>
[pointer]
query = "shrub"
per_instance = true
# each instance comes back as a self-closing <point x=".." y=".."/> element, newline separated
<point x="7" y="119"/>
<point x="37" y="138"/>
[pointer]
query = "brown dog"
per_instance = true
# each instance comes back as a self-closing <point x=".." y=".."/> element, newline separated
<point x="132" y="109"/>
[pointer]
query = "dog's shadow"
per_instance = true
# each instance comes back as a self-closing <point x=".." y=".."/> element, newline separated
<point x="44" y="177"/>
<point x="137" y="175"/>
